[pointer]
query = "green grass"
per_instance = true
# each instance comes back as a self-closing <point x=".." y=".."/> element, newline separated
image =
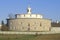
<point x="30" y="37"/>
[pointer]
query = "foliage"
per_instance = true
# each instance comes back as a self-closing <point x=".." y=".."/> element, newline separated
<point x="29" y="37"/>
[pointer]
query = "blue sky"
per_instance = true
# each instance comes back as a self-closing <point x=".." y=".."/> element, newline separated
<point x="48" y="8"/>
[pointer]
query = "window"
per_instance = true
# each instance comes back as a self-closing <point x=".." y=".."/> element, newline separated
<point x="34" y="27"/>
<point x="40" y="24"/>
<point x="22" y="27"/>
<point x="35" y="22"/>
<point x="14" y="28"/>
<point x="24" y="15"/>
<point x="11" y="23"/>
<point x="28" y="27"/>
<point x="28" y="24"/>
<point x="21" y="22"/>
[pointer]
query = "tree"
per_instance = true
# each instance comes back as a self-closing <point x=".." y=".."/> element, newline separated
<point x="2" y="23"/>
<point x="11" y="16"/>
<point x="4" y="26"/>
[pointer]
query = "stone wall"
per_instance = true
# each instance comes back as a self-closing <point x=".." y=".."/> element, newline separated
<point x="29" y="24"/>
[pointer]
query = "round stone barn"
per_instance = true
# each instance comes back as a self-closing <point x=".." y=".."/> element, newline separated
<point x="29" y="22"/>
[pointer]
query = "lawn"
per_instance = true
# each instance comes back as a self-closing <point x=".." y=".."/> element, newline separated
<point x="29" y="37"/>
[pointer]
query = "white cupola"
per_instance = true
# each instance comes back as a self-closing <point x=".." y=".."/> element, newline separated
<point x="29" y="10"/>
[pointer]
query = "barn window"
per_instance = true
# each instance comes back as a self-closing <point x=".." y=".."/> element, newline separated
<point x="35" y="22"/>
<point x="11" y="23"/>
<point x="21" y="22"/>
<point x="28" y="24"/>
<point x="40" y="24"/>
<point x="22" y="27"/>
<point x="34" y="27"/>
<point x="14" y="28"/>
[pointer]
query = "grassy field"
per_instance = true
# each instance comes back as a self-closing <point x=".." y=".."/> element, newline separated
<point x="30" y="37"/>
